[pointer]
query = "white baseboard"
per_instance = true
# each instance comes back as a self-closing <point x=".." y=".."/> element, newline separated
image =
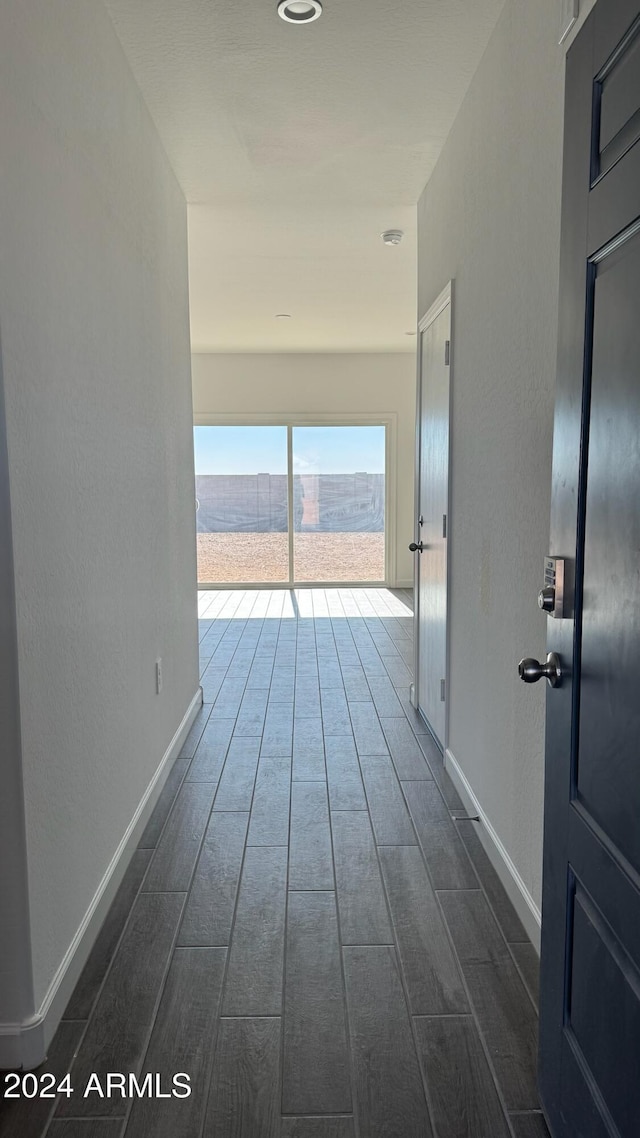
<point x="24" y="1045"/>
<point x="499" y="857"/>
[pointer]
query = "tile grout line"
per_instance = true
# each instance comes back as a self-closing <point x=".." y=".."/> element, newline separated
<point x="396" y="953"/>
<point x="345" y="1004"/>
<point x="190" y="886"/>
<point x="399" y="967"/>
<point x="461" y="973"/>
<point x="286" y="895"/>
<point x="208" y="1080"/>
<point x="187" y="896"/>
<point x="365" y="612"/>
<point x="158" y="1001"/>
<point x="118" y="944"/>
<point x="89" y="1118"/>
<point x="480" y="886"/>
<point x="237" y="715"/>
<point x="483" y="1043"/>
<point x="113" y="957"/>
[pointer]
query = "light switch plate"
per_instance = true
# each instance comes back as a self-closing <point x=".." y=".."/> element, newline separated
<point x="570" y="13"/>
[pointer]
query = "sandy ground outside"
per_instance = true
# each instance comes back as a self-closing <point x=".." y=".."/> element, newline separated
<point x="237" y="558"/>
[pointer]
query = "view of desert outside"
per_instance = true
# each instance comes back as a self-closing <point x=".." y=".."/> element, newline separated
<point x="242" y="504"/>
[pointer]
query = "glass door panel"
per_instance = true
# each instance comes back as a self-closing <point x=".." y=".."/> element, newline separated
<point x="339" y="503"/>
<point x="242" y="505"/>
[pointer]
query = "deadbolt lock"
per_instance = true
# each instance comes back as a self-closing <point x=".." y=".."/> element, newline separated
<point x="551" y="596"/>
<point x="547" y="599"/>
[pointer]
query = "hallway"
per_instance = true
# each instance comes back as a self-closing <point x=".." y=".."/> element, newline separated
<point x="310" y="928"/>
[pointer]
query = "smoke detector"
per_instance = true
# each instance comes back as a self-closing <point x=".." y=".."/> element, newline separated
<point x="300" y="11"/>
<point x="392" y="236"/>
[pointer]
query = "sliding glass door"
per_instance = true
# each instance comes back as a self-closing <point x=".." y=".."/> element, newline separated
<point x="291" y="504"/>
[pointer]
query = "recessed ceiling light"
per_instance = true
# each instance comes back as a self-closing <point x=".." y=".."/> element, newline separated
<point x="392" y="236"/>
<point x="283" y="315"/>
<point x="300" y="11"/>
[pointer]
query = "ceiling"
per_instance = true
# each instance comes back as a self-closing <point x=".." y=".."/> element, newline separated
<point x="295" y="147"/>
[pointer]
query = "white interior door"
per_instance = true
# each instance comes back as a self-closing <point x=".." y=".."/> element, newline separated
<point x="432" y="509"/>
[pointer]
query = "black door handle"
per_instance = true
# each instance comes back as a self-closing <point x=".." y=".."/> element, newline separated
<point x="416" y="546"/>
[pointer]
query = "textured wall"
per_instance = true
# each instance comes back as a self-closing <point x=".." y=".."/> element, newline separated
<point x="490" y="219"/>
<point x="322" y="384"/>
<point x="95" y="345"/>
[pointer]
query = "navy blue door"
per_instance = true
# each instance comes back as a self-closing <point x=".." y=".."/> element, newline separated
<point x="590" y="968"/>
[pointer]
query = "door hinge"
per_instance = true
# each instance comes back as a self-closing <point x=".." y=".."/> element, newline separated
<point x="444" y="525"/>
<point x="443" y="687"/>
<point x="447" y="352"/>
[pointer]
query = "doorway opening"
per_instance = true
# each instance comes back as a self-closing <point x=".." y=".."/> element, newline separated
<point x="292" y="503"/>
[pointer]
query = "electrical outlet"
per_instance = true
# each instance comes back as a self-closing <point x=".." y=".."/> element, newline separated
<point x="158" y="675"/>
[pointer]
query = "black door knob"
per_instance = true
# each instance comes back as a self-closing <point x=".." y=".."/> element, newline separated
<point x="416" y="547"/>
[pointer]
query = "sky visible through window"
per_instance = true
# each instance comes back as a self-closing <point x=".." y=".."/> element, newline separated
<point x="263" y="450"/>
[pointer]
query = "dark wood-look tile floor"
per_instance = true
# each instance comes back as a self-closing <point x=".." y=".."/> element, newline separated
<point x="305" y="929"/>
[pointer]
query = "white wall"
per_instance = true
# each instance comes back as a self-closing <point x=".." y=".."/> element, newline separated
<point x="95" y="350"/>
<point x="323" y="384"/>
<point x="16" y="990"/>
<point x="490" y="219"/>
